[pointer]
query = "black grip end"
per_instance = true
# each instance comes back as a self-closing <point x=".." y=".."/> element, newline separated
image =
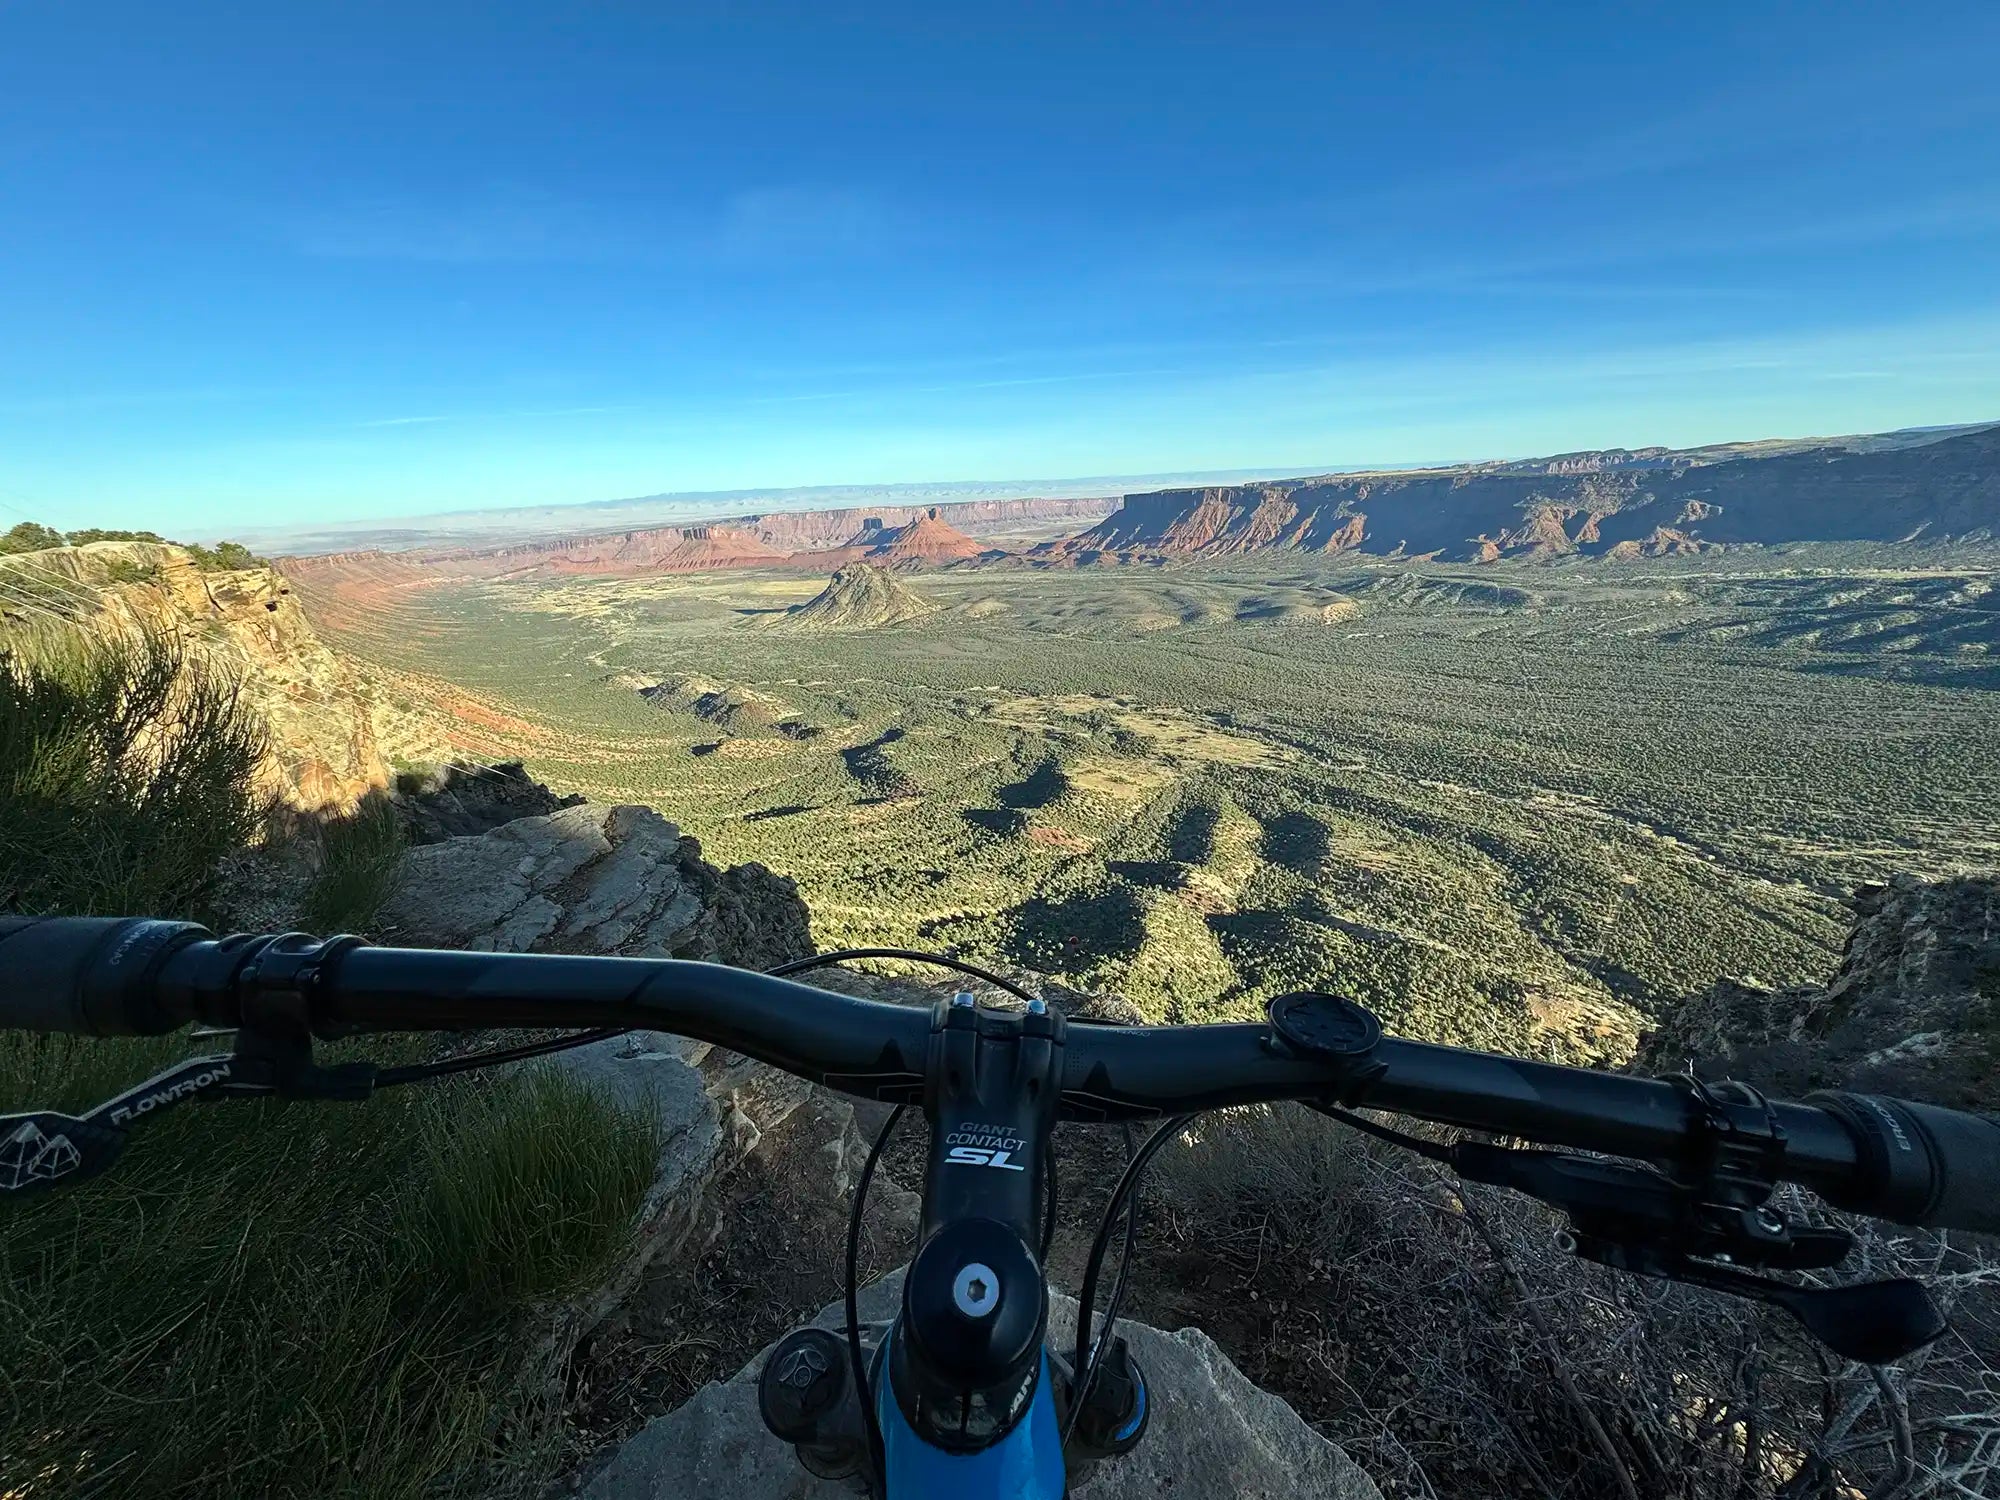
<point x="90" y="976"/>
<point x="1966" y="1148"/>
<point x="1920" y="1163"/>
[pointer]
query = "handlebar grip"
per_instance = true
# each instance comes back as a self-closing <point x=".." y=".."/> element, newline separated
<point x="91" y="976"/>
<point x="1921" y="1163"/>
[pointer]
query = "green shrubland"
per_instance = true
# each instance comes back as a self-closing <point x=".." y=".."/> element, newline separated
<point x="1517" y="807"/>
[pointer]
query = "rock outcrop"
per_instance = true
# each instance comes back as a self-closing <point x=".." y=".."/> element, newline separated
<point x="1914" y="1009"/>
<point x="858" y="597"/>
<point x="323" y="753"/>
<point x="1212" y="1433"/>
<point x="622" y="880"/>
<point x="594" y="879"/>
<point x="926" y="542"/>
<point x="461" y="801"/>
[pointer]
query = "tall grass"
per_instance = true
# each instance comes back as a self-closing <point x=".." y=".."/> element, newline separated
<point x="125" y="773"/>
<point x="302" y="1299"/>
<point x="259" y="1299"/>
<point x="358" y="857"/>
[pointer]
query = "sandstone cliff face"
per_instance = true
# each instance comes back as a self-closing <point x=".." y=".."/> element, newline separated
<point x="323" y="752"/>
<point x="823" y="530"/>
<point x="660" y="549"/>
<point x="1621" y="504"/>
<point x="927" y="541"/>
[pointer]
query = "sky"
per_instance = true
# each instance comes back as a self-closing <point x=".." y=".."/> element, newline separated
<point x="331" y="261"/>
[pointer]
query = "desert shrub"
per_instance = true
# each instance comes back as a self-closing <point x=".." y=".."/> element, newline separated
<point x="29" y="536"/>
<point x="129" y="570"/>
<point x="223" y="557"/>
<point x="91" y="534"/>
<point x="356" y="859"/>
<point x="1456" y="1351"/>
<point x="125" y="774"/>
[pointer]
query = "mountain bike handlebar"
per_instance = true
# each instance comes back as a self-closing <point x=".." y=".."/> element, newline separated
<point x="1889" y="1158"/>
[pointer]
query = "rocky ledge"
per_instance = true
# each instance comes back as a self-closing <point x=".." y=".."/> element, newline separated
<point x="623" y="880"/>
<point x="1212" y="1433"/>
<point x="1913" y="1011"/>
<point x="594" y="879"/>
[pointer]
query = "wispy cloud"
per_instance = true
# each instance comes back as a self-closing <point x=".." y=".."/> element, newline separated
<point x="1912" y="89"/>
<point x="511" y="222"/>
<point x="791" y="223"/>
<point x="496" y="222"/>
<point x="497" y="414"/>
<point x="1067" y="378"/>
<point x="1362" y="268"/>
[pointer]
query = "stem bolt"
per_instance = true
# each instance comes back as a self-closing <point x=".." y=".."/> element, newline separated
<point x="976" y="1291"/>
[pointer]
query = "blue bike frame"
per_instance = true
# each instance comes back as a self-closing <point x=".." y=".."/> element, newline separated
<point x="1027" y="1464"/>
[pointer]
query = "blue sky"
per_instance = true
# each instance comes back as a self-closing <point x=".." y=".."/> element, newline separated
<point x="327" y="261"/>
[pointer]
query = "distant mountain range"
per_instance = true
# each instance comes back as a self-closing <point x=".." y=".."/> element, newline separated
<point x="897" y="537"/>
<point x="1934" y="485"/>
<point x="1618" y="503"/>
<point x="510" y="525"/>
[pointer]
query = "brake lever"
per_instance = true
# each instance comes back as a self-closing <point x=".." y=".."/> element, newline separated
<point x="42" y="1148"/>
<point x="1873" y="1322"/>
<point x="1635" y="1219"/>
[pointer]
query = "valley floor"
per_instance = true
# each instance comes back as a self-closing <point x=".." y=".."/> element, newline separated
<point x="1518" y="807"/>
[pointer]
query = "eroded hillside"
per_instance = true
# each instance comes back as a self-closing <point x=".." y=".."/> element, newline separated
<point x="337" y="725"/>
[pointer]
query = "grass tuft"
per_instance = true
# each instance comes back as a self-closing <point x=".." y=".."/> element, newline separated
<point x="359" y="856"/>
<point x="527" y="1188"/>
<point x="125" y="773"/>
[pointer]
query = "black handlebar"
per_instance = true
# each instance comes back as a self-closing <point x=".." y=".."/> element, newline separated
<point x="1911" y="1163"/>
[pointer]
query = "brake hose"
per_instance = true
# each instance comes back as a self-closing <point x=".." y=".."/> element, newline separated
<point x="1090" y="1355"/>
<point x="495" y="1056"/>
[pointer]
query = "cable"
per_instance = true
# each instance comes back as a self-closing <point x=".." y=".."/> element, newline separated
<point x="912" y="955"/>
<point x="1048" y="1200"/>
<point x="1119" y="1281"/>
<point x="467" y="1062"/>
<point x="857" y="1366"/>
<point x="1088" y="1355"/>
<point x="1430" y="1150"/>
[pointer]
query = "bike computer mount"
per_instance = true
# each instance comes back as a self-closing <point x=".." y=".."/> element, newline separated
<point x="1339" y="1034"/>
